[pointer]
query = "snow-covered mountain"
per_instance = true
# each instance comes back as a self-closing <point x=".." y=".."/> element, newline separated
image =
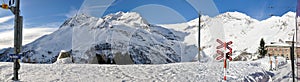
<point x="244" y="31"/>
<point x="129" y="33"/>
<point x="125" y="33"/>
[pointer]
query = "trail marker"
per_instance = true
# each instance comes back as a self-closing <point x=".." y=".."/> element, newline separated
<point x="224" y="45"/>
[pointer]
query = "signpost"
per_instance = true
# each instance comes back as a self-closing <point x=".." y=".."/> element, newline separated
<point x="17" y="33"/>
<point x="224" y="45"/>
<point x="221" y="55"/>
<point x="15" y="56"/>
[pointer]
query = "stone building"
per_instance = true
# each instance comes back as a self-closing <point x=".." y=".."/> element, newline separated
<point x="281" y="49"/>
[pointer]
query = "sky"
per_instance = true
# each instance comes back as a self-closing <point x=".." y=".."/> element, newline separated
<point x="45" y="16"/>
<point x="258" y="9"/>
<point x="298" y="8"/>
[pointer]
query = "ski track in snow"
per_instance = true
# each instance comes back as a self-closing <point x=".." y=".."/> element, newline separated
<point x="174" y="72"/>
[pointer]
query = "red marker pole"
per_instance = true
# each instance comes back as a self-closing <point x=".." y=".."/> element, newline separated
<point x="225" y="45"/>
<point x="225" y="69"/>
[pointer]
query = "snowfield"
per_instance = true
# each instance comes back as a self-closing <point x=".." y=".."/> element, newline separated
<point x="254" y="71"/>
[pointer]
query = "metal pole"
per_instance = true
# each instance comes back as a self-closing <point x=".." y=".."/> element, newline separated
<point x="199" y="37"/>
<point x="17" y="37"/>
<point x="292" y="59"/>
<point x="296" y="45"/>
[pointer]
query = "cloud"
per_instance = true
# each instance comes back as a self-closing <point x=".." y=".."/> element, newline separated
<point x="206" y="7"/>
<point x="95" y="8"/>
<point x="6" y="18"/>
<point x="4" y="26"/>
<point x="71" y="13"/>
<point x="4" y="12"/>
<point x="29" y="35"/>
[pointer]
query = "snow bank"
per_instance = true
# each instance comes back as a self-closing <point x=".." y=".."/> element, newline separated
<point x="238" y="71"/>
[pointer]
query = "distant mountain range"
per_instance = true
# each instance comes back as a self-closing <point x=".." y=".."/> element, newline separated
<point x="128" y="33"/>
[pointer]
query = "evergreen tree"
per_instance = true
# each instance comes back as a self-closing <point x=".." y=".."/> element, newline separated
<point x="262" y="49"/>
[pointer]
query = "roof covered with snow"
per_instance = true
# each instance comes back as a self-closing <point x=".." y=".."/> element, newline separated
<point x="278" y="45"/>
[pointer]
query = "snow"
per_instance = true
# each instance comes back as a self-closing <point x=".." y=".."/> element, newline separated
<point x="128" y="33"/>
<point x="279" y="44"/>
<point x="244" y="31"/>
<point x="67" y="60"/>
<point x="254" y="71"/>
<point x="175" y="44"/>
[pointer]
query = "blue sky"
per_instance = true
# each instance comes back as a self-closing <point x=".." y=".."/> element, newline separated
<point x="258" y="9"/>
<point x="41" y="12"/>
<point x="48" y="15"/>
<point x="164" y="8"/>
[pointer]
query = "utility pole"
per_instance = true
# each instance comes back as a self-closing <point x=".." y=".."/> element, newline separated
<point x="292" y="59"/>
<point x="199" y="37"/>
<point x="18" y="26"/>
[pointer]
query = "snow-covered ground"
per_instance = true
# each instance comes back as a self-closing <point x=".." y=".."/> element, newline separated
<point x="254" y="71"/>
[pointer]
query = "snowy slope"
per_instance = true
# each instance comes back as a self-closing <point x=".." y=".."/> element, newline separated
<point x="239" y="71"/>
<point x="244" y="31"/>
<point x="45" y="49"/>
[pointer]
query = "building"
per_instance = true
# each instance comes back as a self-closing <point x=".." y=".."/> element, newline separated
<point x="281" y="49"/>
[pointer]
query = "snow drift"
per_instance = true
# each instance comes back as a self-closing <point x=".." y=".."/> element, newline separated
<point x="239" y="71"/>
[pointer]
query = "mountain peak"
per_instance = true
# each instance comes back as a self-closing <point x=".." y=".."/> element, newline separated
<point x="289" y="14"/>
<point x="235" y="15"/>
<point x="130" y="18"/>
<point x="78" y="19"/>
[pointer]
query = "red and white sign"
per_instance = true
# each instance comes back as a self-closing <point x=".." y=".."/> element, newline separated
<point x="224" y="45"/>
<point x="221" y="56"/>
